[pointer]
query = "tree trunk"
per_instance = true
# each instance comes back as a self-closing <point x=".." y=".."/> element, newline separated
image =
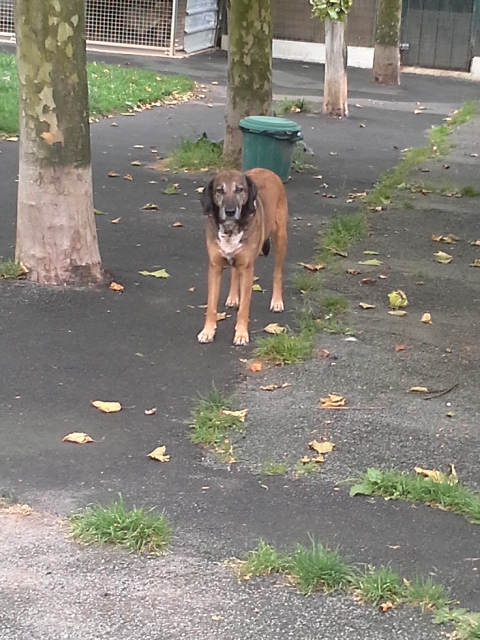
<point x="386" y="57"/>
<point x="335" y="92"/>
<point x="56" y="234"/>
<point x="249" y="90"/>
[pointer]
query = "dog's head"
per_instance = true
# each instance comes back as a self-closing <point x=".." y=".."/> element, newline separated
<point x="230" y="198"/>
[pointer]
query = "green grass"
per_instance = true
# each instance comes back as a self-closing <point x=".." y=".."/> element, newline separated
<point x="272" y="468"/>
<point x="210" y="426"/>
<point x="193" y="156"/>
<point x="112" y="89"/>
<point x="317" y="568"/>
<point x="379" y="584"/>
<point x="262" y="561"/>
<point x="294" y="106"/>
<point x="342" y="232"/>
<point x="307" y="281"/>
<point x="137" y="529"/>
<point x="11" y="269"/>
<point x="416" y="488"/>
<point x="469" y="192"/>
<point x="305" y="468"/>
<point x="425" y="593"/>
<point x="286" y="348"/>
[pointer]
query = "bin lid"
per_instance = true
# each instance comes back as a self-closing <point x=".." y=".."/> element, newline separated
<point x="271" y="124"/>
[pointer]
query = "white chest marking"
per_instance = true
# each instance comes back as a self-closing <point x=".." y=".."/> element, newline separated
<point x="230" y="244"/>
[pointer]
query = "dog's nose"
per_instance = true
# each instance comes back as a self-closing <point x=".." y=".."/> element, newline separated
<point x="229" y="213"/>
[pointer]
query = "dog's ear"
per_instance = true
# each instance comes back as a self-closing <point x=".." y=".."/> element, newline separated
<point x="250" y="206"/>
<point x="207" y="201"/>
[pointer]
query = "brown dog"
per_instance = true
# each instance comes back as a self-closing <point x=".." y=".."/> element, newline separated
<point x="243" y="210"/>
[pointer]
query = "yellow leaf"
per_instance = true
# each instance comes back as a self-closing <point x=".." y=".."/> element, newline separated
<point x="78" y="437"/>
<point x="475" y="263"/>
<point x="274" y="328"/>
<point x="257" y="287"/>
<point x="305" y="460"/>
<point x="116" y="287"/>
<point x="272" y="387"/>
<point x="160" y="273"/>
<point x="241" y="415"/>
<point x="150" y="206"/>
<point x="442" y="257"/>
<point x="115" y="220"/>
<point x="365" y="305"/>
<point x="397" y="312"/>
<point x="426" y="318"/>
<point x="321" y="447"/>
<point x="159" y="454"/>
<point x="107" y="407"/>
<point x="419" y="389"/>
<point x="435" y="476"/>
<point x="398" y="299"/>
<point x="332" y="401"/>
<point x="200" y="189"/>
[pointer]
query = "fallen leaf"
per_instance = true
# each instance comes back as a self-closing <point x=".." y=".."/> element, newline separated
<point x="221" y="316"/>
<point x="11" y="139"/>
<point x="97" y="212"/>
<point x="442" y="257"/>
<point x="150" y="206"/>
<point x="332" y="401"/>
<point x="128" y="177"/>
<point x="371" y="253"/>
<point x="116" y="287"/>
<point x="419" y="389"/>
<point x="171" y="189"/>
<point x="374" y="262"/>
<point x="353" y="272"/>
<point x="200" y="189"/>
<point x="398" y="299"/>
<point x="385" y="606"/>
<point x="305" y="460"/>
<point x="138" y="146"/>
<point x="115" y="220"/>
<point x="136" y="163"/>
<point x="78" y="437"/>
<point x="274" y="328"/>
<point x="160" y="273"/>
<point x="273" y="387"/>
<point x="436" y="476"/>
<point x="256" y="366"/>
<point x="150" y="412"/>
<point x="312" y="267"/>
<point x="417" y="112"/>
<point x="359" y="106"/>
<point x="192" y="289"/>
<point x="112" y="174"/>
<point x="426" y="318"/>
<point x="476" y="243"/>
<point x="257" y="287"/>
<point x="475" y="263"/>
<point x="321" y="447"/>
<point x="400" y="347"/>
<point x="448" y="239"/>
<point x="368" y="281"/>
<point x="159" y="454"/>
<point x="383" y="277"/>
<point x="365" y="305"/>
<point x="177" y="224"/>
<point x="241" y="415"/>
<point x="107" y="407"/>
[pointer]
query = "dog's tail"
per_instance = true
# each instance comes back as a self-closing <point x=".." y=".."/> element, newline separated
<point x="265" y="248"/>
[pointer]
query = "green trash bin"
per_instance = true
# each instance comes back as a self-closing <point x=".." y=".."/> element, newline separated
<point x="269" y="142"/>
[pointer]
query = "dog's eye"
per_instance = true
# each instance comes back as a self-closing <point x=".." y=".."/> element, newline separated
<point x="220" y="190"/>
<point x="239" y="189"/>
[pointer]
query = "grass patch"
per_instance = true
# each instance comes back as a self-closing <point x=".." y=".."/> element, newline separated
<point x="305" y="468"/>
<point x="296" y="105"/>
<point x="200" y="154"/>
<point x="437" y="145"/>
<point x="211" y="425"/>
<point x="425" y="593"/>
<point x="377" y="585"/>
<point x="286" y="348"/>
<point x="304" y="281"/>
<point x="112" y="89"/>
<point x="416" y="488"/>
<point x="342" y="232"/>
<point x="11" y="269"/>
<point x="262" y="561"/>
<point x="272" y="468"/>
<point x="469" y="192"/>
<point x="137" y="529"/>
<point x="317" y="567"/>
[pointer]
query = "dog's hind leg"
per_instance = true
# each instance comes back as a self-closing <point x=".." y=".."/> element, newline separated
<point x="280" y="250"/>
<point x="233" y="298"/>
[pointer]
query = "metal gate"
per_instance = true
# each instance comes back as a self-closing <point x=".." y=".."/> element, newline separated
<point x="439" y="34"/>
<point x="200" y="25"/>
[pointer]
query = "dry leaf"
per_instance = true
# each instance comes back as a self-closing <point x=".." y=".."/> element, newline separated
<point x="221" y="316"/>
<point x="159" y="454"/>
<point x="128" y="177"/>
<point x="368" y="281"/>
<point x="438" y="476"/>
<point x="78" y="437"/>
<point x="107" y="407"/>
<point x="332" y="401"/>
<point x="400" y="347"/>
<point x="321" y="447"/>
<point x="312" y="267"/>
<point x="116" y="287"/>
<point x="365" y="305"/>
<point x="115" y="220"/>
<point x="385" y="606"/>
<point x="257" y="287"/>
<point x="150" y="206"/>
<point x="476" y="243"/>
<point x="426" y="318"/>
<point x="256" y="366"/>
<point x="273" y="387"/>
<point x="177" y="224"/>
<point x="274" y="328"/>
<point x="241" y="415"/>
<point x="112" y="174"/>
<point x="419" y="389"/>
<point x="160" y="273"/>
<point x="475" y="263"/>
<point x="150" y="412"/>
<point x="442" y="257"/>
<point x="397" y="312"/>
<point x="136" y="163"/>
<point x="374" y="262"/>
<point x="353" y="272"/>
<point x="448" y="239"/>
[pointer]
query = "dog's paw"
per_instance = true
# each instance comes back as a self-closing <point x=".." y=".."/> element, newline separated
<point x="276" y="306"/>
<point x="232" y="303"/>
<point x="241" y="338"/>
<point x="206" y="335"/>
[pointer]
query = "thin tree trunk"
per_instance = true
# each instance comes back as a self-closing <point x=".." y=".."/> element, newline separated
<point x="386" y="57"/>
<point x="56" y="235"/>
<point x="335" y="92"/>
<point x="249" y="90"/>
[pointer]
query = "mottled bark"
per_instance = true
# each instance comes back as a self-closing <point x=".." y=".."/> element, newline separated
<point x="386" y="57"/>
<point x="335" y="92"/>
<point x="56" y="235"/>
<point x="249" y="90"/>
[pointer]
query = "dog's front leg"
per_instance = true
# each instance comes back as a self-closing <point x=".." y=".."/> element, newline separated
<point x="246" y="283"/>
<point x="233" y="298"/>
<point x="207" y="334"/>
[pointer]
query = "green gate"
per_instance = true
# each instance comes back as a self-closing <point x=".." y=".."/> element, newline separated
<point x="439" y="34"/>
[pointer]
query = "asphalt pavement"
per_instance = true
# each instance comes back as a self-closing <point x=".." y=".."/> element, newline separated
<point x="61" y="349"/>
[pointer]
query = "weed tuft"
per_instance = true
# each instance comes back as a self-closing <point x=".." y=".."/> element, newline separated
<point x="375" y="585"/>
<point x="425" y="593"/>
<point x="317" y="567"/>
<point x="195" y="155"/>
<point x="272" y="468"/>
<point x="296" y="105"/>
<point x="262" y="561"/>
<point x="137" y="529"/>
<point x="286" y="348"/>
<point x="9" y="269"/>
<point x="343" y="231"/>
